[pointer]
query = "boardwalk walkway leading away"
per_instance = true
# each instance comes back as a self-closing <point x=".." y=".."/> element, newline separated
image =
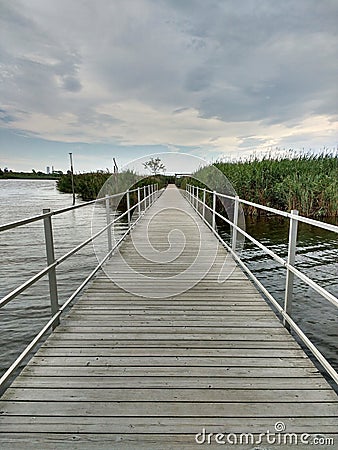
<point x="150" y="355"/>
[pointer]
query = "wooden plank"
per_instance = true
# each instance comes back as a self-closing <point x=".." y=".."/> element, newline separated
<point x="206" y="395"/>
<point x="153" y="408"/>
<point x="168" y="361"/>
<point x="141" y="382"/>
<point x="158" y="335"/>
<point x="136" y="441"/>
<point x="187" y="323"/>
<point x="59" y="341"/>
<point x="209" y="371"/>
<point x="276" y="330"/>
<point x="155" y="351"/>
<point x="165" y="425"/>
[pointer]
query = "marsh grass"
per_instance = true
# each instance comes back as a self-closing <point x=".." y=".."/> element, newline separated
<point x="305" y="182"/>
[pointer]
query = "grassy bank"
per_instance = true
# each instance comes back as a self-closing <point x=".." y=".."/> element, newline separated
<point x="308" y="183"/>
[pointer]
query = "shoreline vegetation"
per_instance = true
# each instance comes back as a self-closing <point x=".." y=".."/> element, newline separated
<point x="10" y="175"/>
<point x="308" y="183"/>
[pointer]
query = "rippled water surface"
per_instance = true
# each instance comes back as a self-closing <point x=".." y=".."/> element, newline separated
<point x="316" y="257"/>
<point x="23" y="254"/>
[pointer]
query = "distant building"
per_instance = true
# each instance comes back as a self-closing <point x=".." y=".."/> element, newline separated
<point x="48" y="170"/>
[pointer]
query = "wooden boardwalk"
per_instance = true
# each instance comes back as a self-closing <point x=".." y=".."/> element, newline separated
<point x="130" y="367"/>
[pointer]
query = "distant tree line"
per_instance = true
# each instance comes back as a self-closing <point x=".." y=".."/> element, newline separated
<point x="7" y="173"/>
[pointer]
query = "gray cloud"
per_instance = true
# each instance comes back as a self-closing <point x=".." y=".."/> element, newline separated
<point x="254" y="60"/>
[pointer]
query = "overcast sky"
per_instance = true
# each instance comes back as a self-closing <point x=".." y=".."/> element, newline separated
<point x="127" y="78"/>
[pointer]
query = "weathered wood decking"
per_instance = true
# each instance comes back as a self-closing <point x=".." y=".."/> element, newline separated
<point x="128" y="371"/>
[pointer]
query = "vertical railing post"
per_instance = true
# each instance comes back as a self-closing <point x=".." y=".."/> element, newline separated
<point x="214" y="210"/>
<point x="235" y="223"/>
<point x="108" y="221"/>
<point x="291" y="260"/>
<point x="128" y="207"/>
<point x="197" y="197"/>
<point x="53" y="291"/>
<point x="139" y="201"/>
<point x="145" y="197"/>
<point x="204" y="200"/>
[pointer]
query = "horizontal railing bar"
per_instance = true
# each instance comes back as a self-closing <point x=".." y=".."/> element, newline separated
<point x="323" y="292"/>
<point x="313" y="222"/>
<point x="318" y="355"/>
<point x="11" y="295"/>
<point x="9" y="226"/>
<point x="18" y="223"/>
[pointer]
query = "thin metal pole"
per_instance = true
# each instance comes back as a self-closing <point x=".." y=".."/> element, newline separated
<point x="293" y="227"/>
<point x="197" y="197"/>
<point x="53" y="291"/>
<point x="108" y="221"/>
<point x="144" y="197"/>
<point x="128" y="207"/>
<point x="214" y="210"/>
<point x="139" y="201"/>
<point x="235" y="222"/>
<point x="204" y="196"/>
<point x="72" y="175"/>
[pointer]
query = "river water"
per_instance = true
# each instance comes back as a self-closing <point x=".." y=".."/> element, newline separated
<point x="23" y="254"/>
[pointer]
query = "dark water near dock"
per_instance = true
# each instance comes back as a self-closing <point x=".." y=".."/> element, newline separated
<point x="316" y="257"/>
<point x="23" y="254"/>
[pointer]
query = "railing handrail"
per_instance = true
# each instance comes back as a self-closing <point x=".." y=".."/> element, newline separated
<point x="316" y="223"/>
<point x="18" y="223"/>
<point x="150" y="194"/>
<point x="285" y="311"/>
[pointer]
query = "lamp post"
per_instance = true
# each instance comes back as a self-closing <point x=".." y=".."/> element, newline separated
<point x="72" y="175"/>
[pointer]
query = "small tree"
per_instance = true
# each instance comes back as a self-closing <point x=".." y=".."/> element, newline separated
<point x="155" y="165"/>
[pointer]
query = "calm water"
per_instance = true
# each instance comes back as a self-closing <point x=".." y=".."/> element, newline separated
<point x="23" y="254"/>
<point x="317" y="256"/>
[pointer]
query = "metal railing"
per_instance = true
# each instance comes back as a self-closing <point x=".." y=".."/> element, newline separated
<point x="197" y="198"/>
<point x="146" y="195"/>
